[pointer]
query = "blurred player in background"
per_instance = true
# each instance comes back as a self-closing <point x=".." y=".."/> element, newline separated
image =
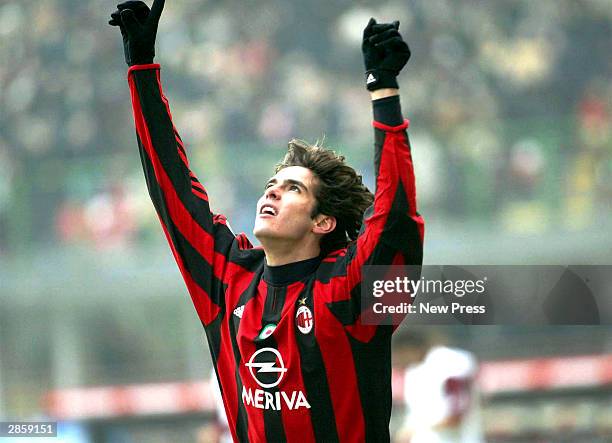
<point x="222" y="425"/>
<point x="283" y="322"/>
<point x="217" y="430"/>
<point x="441" y="396"/>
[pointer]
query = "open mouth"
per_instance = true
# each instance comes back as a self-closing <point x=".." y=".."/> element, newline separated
<point x="267" y="210"/>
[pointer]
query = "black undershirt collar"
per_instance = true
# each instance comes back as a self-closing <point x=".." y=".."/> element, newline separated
<point x="291" y="272"/>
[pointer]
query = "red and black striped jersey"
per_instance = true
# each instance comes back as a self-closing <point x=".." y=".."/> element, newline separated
<point x="293" y="359"/>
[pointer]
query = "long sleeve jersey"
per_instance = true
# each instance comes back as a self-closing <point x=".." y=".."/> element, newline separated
<point x="293" y="359"/>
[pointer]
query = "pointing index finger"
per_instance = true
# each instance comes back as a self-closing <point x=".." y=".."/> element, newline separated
<point x="368" y="29"/>
<point x="156" y="9"/>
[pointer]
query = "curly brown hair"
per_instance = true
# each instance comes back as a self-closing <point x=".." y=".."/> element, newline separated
<point x="340" y="192"/>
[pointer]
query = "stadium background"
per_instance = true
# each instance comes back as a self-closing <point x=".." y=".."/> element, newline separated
<point x="510" y="103"/>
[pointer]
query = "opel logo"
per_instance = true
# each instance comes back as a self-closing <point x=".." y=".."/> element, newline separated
<point x="264" y="369"/>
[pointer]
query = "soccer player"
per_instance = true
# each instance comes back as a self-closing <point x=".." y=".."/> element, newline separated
<point x="283" y="322"/>
<point x="441" y="398"/>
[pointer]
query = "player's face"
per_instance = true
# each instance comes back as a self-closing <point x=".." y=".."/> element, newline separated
<point x="285" y="209"/>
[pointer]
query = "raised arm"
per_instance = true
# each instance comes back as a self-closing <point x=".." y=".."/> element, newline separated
<point x="200" y="240"/>
<point x="392" y="230"/>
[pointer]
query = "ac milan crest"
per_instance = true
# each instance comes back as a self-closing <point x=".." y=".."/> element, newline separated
<point x="304" y="319"/>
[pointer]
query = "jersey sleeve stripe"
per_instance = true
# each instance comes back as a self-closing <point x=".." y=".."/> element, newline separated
<point x="407" y="179"/>
<point x="387" y="128"/>
<point x="201" y="238"/>
<point x="392" y="231"/>
<point x="183" y="157"/>
<point x="196" y="271"/>
<point x="197" y="184"/>
<point x="206" y="311"/>
<point x="386" y="183"/>
<point x="200" y="194"/>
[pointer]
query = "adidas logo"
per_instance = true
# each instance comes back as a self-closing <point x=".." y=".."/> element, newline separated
<point x="238" y="311"/>
<point x="370" y="79"/>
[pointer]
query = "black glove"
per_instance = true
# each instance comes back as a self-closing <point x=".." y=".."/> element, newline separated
<point x="138" y="27"/>
<point x="384" y="53"/>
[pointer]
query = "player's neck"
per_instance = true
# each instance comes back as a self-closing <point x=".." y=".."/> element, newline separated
<point x="280" y="253"/>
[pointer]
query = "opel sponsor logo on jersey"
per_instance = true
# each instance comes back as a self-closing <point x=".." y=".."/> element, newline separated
<point x="264" y="369"/>
<point x="268" y="369"/>
<point x="304" y="319"/>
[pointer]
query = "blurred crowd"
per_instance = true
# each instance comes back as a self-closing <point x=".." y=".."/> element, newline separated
<point x="510" y="104"/>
